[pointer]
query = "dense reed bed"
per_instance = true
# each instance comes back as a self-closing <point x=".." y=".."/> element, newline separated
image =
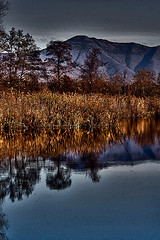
<point x="45" y="110"/>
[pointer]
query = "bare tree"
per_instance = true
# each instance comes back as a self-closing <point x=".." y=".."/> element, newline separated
<point x="145" y="83"/>
<point x="90" y="70"/>
<point x="119" y="83"/>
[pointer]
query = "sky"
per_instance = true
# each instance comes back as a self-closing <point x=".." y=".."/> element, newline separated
<point x="114" y="20"/>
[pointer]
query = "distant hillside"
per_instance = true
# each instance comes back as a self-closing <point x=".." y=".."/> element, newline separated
<point x="117" y="56"/>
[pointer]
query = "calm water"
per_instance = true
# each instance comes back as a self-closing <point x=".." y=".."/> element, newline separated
<point x="66" y="185"/>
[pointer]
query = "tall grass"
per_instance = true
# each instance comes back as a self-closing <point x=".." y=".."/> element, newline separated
<point x="45" y="110"/>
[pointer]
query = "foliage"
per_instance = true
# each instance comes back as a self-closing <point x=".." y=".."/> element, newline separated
<point x="145" y="83"/>
<point x="90" y="71"/>
<point x="24" y="154"/>
<point x="60" y="59"/>
<point x="119" y="83"/>
<point x="21" y="62"/>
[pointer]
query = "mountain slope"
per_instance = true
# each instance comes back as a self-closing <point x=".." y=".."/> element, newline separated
<point x="117" y="56"/>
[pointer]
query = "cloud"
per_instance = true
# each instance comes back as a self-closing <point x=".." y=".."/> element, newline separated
<point x="90" y="17"/>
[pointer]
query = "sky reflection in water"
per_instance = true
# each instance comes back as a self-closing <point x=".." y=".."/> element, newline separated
<point x="80" y="185"/>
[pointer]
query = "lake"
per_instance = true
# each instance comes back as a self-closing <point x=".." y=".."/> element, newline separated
<point x="81" y="185"/>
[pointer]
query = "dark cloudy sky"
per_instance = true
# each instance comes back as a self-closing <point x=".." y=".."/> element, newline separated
<point x="116" y="20"/>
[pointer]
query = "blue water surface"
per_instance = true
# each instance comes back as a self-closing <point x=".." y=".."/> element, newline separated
<point x="124" y="204"/>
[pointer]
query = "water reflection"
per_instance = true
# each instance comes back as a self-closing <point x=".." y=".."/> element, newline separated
<point x="19" y="179"/>
<point x="3" y="226"/>
<point x="60" y="179"/>
<point x="3" y="221"/>
<point x="62" y="152"/>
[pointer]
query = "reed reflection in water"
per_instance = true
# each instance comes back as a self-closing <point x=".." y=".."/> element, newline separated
<point x="63" y="152"/>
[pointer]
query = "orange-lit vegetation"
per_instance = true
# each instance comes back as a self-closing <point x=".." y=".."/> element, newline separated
<point x="24" y="155"/>
<point x="36" y="94"/>
<point x="57" y="142"/>
<point x="47" y="110"/>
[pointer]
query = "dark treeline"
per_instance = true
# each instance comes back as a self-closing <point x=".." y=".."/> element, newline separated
<point x="22" y="68"/>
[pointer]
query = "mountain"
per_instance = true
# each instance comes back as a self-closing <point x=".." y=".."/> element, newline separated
<point x="117" y="56"/>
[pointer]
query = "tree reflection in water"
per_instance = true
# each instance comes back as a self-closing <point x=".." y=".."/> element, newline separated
<point x="20" y="180"/>
<point x="3" y="224"/>
<point x="3" y="227"/>
<point x="93" y="167"/>
<point x="61" y="179"/>
<point x="62" y="151"/>
<point x="23" y="156"/>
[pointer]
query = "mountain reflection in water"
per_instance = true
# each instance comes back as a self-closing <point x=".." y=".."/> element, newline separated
<point x="61" y="152"/>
